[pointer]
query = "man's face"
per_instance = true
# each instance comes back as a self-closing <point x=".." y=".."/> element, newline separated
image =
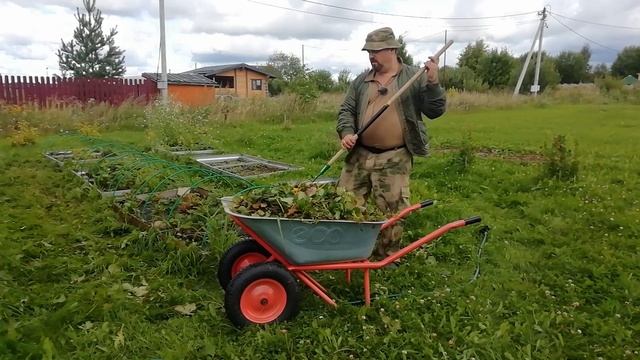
<point x="380" y="58"/>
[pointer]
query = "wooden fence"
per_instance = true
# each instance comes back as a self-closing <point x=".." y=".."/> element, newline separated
<point x="56" y="91"/>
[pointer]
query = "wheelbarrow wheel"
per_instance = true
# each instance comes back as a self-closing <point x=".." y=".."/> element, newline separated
<point x="239" y="256"/>
<point x="262" y="294"/>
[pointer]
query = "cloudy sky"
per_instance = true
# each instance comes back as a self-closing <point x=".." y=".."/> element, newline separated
<point x="210" y="32"/>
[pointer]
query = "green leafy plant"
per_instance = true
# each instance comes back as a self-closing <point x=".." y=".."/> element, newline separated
<point x="175" y="126"/>
<point x="25" y="134"/>
<point x="465" y="156"/>
<point x="306" y="201"/>
<point x="560" y="163"/>
<point x="306" y="93"/>
<point x="112" y="174"/>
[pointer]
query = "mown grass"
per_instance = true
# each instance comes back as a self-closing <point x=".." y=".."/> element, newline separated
<point x="558" y="273"/>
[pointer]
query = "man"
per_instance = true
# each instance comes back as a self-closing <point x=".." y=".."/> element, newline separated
<point x="380" y="160"/>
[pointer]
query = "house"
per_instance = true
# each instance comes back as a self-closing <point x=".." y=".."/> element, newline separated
<point x="629" y="80"/>
<point x="239" y="80"/>
<point x="188" y="89"/>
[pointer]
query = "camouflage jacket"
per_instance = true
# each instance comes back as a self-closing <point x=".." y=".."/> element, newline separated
<point x="419" y="98"/>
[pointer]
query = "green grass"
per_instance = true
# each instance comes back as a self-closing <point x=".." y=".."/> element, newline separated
<point x="558" y="273"/>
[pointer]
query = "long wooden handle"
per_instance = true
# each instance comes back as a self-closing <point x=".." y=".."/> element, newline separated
<point x="336" y="156"/>
<point x="395" y="96"/>
<point x="417" y="74"/>
<point x="443" y="49"/>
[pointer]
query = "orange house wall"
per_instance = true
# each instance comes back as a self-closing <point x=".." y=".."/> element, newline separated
<point x="242" y="84"/>
<point x="194" y="95"/>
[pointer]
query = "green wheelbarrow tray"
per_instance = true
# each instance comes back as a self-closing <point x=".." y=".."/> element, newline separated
<point x="306" y="241"/>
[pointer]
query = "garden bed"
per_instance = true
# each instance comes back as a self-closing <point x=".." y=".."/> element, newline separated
<point x="118" y="176"/>
<point x="91" y="181"/>
<point x="196" y="149"/>
<point x="63" y="157"/>
<point x="244" y="166"/>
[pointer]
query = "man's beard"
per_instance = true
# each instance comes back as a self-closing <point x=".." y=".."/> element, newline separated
<point x="376" y="66"/>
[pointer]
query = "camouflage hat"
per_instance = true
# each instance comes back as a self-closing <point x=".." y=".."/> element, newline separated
<point x="379" y="39"/>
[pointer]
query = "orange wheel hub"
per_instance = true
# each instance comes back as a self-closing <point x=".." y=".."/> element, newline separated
<point x="246" y="260"/>
<point x="263" y="301"/>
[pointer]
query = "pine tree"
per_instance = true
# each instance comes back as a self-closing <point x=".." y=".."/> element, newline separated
<point x="91" y="53"/>
<point x="402" y="52"/>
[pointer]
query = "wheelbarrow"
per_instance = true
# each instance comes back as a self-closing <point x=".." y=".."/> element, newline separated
<point x="260" y="274"/>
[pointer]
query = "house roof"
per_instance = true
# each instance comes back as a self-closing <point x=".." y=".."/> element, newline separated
<point x="217" y="69"/>
<point x="181" y="79"/>
<point x="629" y="80"/>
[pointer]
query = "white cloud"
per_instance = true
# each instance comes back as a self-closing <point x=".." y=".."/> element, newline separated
<point x="209" y="32"/>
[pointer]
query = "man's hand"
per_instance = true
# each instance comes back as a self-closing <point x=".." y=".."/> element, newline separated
<point x="431" y="68"/>
<point x="348" y="141"/>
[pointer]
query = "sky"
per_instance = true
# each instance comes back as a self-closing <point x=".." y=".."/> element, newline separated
<point x="212" y="32"/>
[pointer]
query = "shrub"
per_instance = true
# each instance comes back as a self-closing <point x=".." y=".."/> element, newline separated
<point x="464" y="156"/>
<point x="608" y="84"/>
<point x="24" y="134"/>
<point x="306" y="93"/>
<point x="176" y="126"/>
<point x="560" y="162"/>
<point x="89" y="129"/>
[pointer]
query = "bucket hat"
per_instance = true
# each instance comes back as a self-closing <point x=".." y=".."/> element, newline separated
<point x="379" y="39"/>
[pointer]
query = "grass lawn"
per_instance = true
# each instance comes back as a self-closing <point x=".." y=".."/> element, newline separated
<point x="558" y="273"/>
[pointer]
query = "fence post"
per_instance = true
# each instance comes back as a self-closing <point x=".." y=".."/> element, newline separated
<point x="11" y="91"/>
<point x="42" y="93"/>
<point x="51" y="91"/>
<point x="29" y="89"/>
<point x="19" y="91"/>
<point x="2" y="90"/>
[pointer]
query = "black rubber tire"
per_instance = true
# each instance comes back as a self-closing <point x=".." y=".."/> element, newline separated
<point x="235" y="252"/>
<point x="259" y="273"/>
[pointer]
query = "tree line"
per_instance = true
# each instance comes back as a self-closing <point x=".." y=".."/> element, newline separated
<point x="481" y="68"/>
<point x="478" y="68"/>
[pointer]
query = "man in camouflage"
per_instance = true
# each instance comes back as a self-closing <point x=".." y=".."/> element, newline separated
<point x="380" y="160"/>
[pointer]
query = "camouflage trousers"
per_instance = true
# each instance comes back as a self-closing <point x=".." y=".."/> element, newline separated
<point x="385" y="179"/>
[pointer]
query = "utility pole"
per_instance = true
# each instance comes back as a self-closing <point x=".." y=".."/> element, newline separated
<point x="162" y="84"/>
<point x="535" y="88"/>
<point x="303" y="56"/>
<point x="516" y="91"/>
<point x="444" y="65"/>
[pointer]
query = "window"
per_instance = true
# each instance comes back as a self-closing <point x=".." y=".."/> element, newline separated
<point x="256" y="84"/>
<point x="225" y="81"/>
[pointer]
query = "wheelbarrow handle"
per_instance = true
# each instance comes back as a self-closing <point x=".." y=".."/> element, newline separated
<point x="404" y="213"/>
<point x="426" y="203"/>
<point x="472" y="220"/>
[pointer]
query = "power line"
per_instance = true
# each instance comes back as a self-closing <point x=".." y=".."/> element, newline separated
<point x="595" y="23"/>
<point x="461" y="28"/>
<point x="328" y="48"/>
<point x="420" y="39"/>
<point x="582" y="36"/>
<point x="313" y="13"/>
<point x="473" y="27"/>
<point x="486" y="26"/>
<point x="415" y="16"/>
